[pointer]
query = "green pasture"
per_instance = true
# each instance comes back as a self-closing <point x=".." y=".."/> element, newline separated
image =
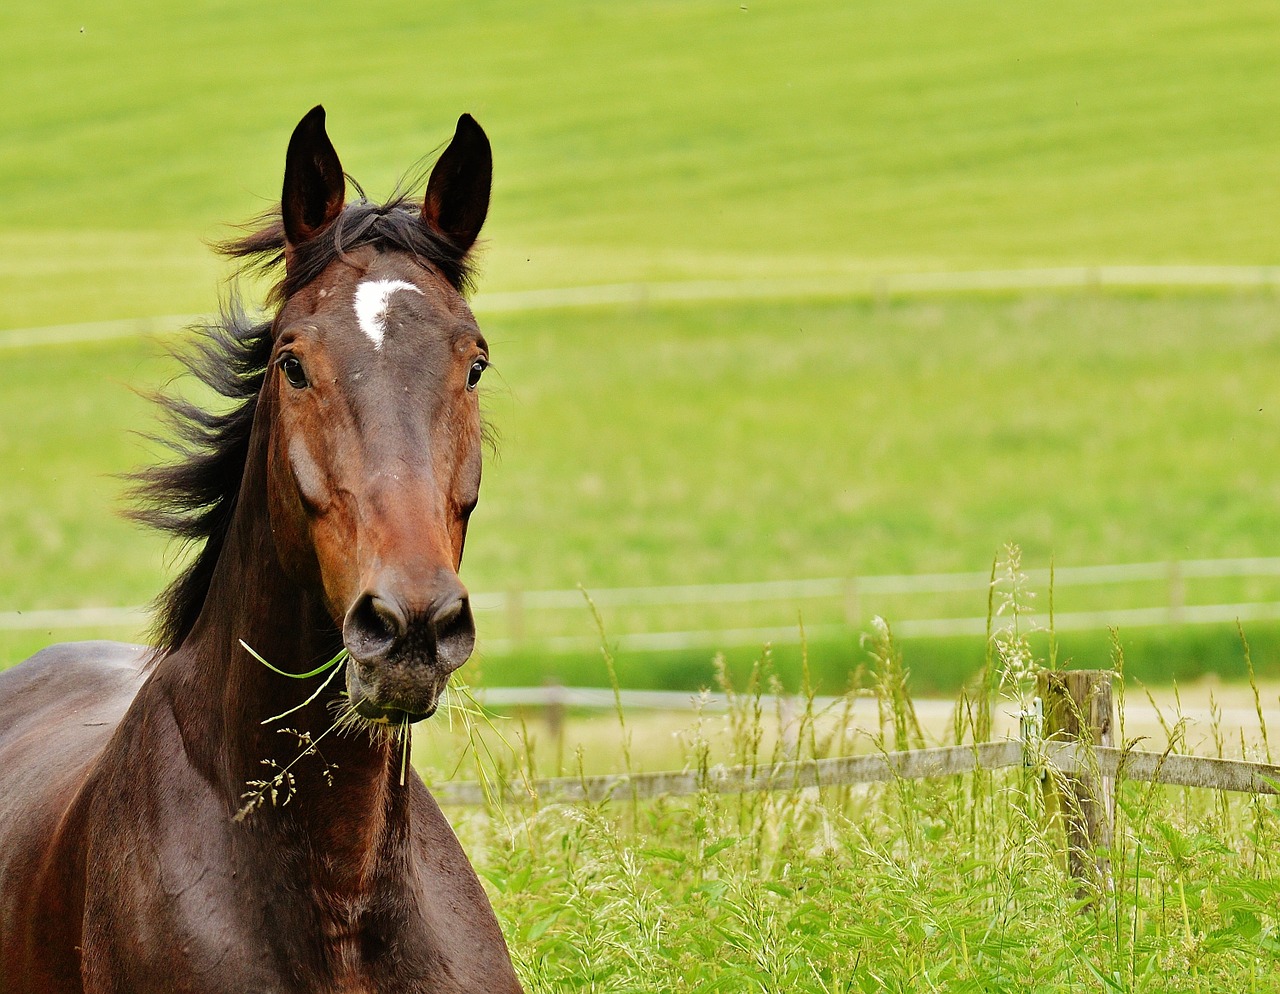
<point x="737" y="442"/>
<point x="739" y="439"/>
<point x="951" y="884"/>
<point x="711" y="442"/>
<point x="655" y="139"/>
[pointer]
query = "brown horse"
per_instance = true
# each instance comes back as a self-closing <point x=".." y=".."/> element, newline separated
<point x="155" y="833"/>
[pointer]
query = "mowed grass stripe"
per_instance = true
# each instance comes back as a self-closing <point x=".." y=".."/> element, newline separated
<point x="765" y="289"/>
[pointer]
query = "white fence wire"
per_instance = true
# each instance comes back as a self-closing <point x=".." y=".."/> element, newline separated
<point x="515" y="610"/>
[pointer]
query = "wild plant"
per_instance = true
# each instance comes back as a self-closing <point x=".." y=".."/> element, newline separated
<point x="889" y="887"/>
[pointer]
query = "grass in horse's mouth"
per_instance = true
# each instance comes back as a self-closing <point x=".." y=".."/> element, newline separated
<point x="279" y="788"/>
<point x="282" y="785"/>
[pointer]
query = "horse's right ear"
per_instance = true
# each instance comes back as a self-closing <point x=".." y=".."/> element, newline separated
<point x="314" y="187"/>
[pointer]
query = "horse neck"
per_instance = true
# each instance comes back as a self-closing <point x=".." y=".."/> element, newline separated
<point x="221" y="696"/>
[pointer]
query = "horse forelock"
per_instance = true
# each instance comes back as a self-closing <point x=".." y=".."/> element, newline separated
<point x="393" y="226"/>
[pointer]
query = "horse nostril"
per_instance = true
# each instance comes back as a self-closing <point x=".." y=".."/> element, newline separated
<point x="455" y="632"/>
<point x="445" y="614"/>
<point x="373" y="627"/>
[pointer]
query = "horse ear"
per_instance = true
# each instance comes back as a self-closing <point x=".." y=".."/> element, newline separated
<point x="457" y="197"/>
<point x="314" y="187"/>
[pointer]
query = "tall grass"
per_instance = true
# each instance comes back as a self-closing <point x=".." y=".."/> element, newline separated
<point x="956" y="884"/>
<point x="892" y="887"/>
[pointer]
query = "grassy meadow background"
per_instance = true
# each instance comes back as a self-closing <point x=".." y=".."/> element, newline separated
<point x="718" y="440"/>
<point x="760" y="432"/>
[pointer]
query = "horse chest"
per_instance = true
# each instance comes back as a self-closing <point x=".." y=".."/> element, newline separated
<point x="351" y="976"/>
<point x="344" y="945"/>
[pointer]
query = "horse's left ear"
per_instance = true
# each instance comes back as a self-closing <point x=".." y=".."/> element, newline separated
<point x="314" y="187"/>
<point x="457" y="199"/>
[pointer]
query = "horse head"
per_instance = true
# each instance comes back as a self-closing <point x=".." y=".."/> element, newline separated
<point x="375" y="437"/>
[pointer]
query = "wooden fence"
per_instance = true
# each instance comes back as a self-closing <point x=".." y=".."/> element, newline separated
<point x="1066" y="738"/>
<point x="917" y="764"/>
<point x="1056" y="738"/>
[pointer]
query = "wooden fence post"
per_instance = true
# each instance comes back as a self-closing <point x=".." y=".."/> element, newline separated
<point x="1077" y="708"/>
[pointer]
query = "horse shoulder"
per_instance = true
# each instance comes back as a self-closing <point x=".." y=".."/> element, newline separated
<point x="453" y="909"/>
<point x="58" y="710"/>
<point x="115" y="854"/>
<point x="165" y="908"/>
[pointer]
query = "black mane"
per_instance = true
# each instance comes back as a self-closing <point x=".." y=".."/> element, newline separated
<point x="194" y="498"/>
<point x="396" y="225"/>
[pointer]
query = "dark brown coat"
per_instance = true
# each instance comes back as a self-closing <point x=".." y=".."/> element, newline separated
<point x="330" y="503"/>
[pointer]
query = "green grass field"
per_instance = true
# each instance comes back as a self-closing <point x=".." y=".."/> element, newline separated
<point x="901" y="889"/>
<point x="738" y="440"/>
<point x="704" y="442"/>
<point x="644" y="139"/>
<point x="755" y="442"/>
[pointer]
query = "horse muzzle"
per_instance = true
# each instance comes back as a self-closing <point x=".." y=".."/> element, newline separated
<point x="401" y="657"/>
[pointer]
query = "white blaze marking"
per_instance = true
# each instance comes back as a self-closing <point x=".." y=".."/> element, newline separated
<point x="372" y="297"/>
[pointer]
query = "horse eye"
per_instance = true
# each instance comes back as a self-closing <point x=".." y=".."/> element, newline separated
<point x="293" y="372"/>
<point x="473" y="374"/>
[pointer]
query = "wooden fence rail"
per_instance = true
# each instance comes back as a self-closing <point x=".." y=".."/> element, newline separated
<point x="1065" y="740"/>
<point x="1055" y="757"/>
<point x="837" y="772"/>
<point x="1167" y="768"/>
